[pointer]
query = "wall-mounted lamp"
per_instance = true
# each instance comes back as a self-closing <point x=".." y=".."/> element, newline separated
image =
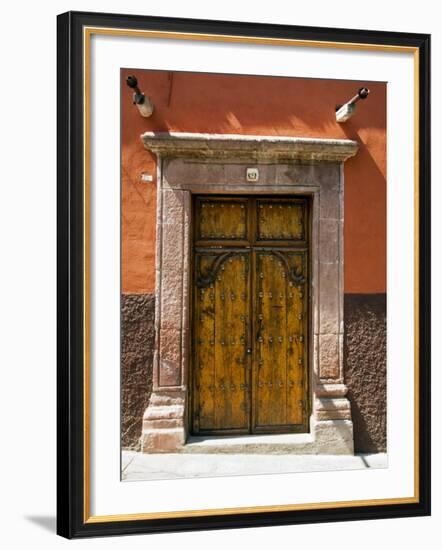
<point x="344" y="112"/>
<point x="142" y="102"/>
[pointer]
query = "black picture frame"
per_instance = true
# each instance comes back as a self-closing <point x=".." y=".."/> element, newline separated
<point x="72" y="520"/>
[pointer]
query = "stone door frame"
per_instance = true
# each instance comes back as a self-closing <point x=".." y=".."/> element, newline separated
<point x="207" y="164"/>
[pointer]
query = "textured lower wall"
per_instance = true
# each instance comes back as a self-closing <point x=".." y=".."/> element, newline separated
<point x="137" y="343"/>
<point x="365" y="363"/>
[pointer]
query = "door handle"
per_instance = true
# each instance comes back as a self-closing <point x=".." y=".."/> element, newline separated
<point x="249" y="351"/>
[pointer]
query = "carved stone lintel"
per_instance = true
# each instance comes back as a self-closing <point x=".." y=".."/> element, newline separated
<point x="257" y="148"/>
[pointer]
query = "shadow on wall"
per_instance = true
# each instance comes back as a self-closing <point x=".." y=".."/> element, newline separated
<point x="222" y="103"/>
<point x="137" y="345"/>
<point x="365" y="364"/>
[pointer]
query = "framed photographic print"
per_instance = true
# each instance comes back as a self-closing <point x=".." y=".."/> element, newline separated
<point x="243" y="274"/>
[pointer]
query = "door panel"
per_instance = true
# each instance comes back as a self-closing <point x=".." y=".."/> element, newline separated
<point x="222" y="302"/>
<point x="250" y="315"/>
<point x="280" y="316"/>
<point x="280" y="220"/>
<point x="222" y="219"/>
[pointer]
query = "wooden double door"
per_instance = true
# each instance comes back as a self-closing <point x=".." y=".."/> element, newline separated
<point x="250" y="315"/>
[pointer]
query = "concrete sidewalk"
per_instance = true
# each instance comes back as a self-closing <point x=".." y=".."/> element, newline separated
<point x="138" y="466"/>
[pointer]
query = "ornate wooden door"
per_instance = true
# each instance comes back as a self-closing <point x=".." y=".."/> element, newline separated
<point x="250" y="315"/>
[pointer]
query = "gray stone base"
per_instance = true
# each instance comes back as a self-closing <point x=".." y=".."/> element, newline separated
<point x="334" y="437"/>
<point x="328" y="437"/>
<point x="162" y="440"/>
<point x="163" y="423"/>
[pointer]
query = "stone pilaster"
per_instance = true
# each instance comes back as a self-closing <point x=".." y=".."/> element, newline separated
<point x="331" y="407"/>
<point x="164" y="421"/>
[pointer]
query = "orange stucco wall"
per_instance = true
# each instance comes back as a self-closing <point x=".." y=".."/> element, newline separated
<point x="231" y="104"/>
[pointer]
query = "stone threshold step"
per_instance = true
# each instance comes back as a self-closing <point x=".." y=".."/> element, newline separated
<point x="266" y="443"/>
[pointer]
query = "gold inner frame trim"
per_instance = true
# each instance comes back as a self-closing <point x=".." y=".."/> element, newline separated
<point x="87" y="34"/>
